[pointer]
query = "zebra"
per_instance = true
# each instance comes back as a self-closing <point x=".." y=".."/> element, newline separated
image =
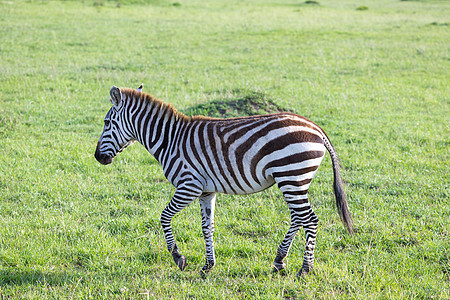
<point x="203" y="156"/>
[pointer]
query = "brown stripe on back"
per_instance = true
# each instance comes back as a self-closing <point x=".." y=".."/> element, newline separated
<point x="244" y="126"/>
<point x="282" y="121"/>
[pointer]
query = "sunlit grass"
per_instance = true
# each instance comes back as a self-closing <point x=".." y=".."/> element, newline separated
<point x="376" y="80"/>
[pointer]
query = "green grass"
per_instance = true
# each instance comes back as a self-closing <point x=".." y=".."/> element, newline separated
<point x="376" y="80"/>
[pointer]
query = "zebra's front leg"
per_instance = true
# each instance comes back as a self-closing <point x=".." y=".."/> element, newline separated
<point x="181" y="199"/>
<point x="207" y="204"/>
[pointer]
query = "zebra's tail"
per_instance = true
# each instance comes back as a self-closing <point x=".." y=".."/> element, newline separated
<point x="338" y="186"/>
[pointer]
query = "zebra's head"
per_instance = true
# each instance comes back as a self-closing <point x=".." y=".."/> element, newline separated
<point x="116" y="135"/>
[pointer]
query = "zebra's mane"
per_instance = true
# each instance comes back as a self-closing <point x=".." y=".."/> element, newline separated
<point x="149" y="99"/>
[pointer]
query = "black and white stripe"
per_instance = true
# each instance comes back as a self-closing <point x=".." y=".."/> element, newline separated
<point x="202" y="156"/>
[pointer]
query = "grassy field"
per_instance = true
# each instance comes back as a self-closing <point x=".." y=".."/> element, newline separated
<point x="376" y="79"/>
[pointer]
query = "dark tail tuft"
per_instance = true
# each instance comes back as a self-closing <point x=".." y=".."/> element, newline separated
<point x="341" y="200"/>
<point x="338" y="186"/>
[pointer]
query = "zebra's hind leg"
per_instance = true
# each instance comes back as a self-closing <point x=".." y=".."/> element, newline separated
<point x="301" y="215"/>
<point x="309" y="222"/>
<point x="181" y="199"/>
<point x="207" y="204"/>
<point x="283" y="248"/>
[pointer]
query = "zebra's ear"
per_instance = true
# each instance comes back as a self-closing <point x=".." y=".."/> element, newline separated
<point x="116" y="96"/>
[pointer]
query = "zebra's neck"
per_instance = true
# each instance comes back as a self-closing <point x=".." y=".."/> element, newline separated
<point x="154" y="124"/>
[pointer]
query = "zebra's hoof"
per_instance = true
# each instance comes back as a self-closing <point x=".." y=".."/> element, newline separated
<point x="278" y="266"/>
<point x="304" y="272"/>
<point x="181" y="262"/>
<point x="204" y="273"/>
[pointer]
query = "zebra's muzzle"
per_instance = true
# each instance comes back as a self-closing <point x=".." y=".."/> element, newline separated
<point x="102" y="158"/>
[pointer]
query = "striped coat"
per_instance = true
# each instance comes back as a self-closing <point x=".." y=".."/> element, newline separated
<point x="203" y="156"/>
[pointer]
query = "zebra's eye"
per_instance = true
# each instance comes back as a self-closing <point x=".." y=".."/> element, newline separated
<point x="106" y="123"/>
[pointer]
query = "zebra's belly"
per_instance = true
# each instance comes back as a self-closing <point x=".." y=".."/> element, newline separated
<point x="237" y="189"/>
